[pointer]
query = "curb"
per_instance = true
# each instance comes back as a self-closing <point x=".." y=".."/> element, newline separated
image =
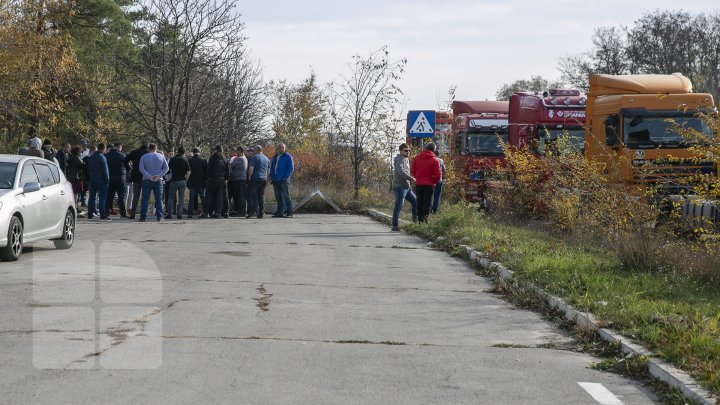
<point x="659" y="369"/>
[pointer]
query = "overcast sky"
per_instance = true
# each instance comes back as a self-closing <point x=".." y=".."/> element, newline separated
<point x="474" y="44"/>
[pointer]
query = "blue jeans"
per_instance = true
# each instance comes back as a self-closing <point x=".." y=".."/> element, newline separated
<point x="176" y="188"/>
<point x="99" y="187"/>
<point x="157" y="189"/>
<point x="437" y="196"/>
<point x="401" y="194"/>
<point x="282" y="196"/>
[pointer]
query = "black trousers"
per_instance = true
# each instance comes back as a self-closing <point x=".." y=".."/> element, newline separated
<point x="239" y="196"/>
<point x="424" y="201"/>
<point x="117" y="186"/>
<point x="214" y="195"/>
<point x="256" y="197"/>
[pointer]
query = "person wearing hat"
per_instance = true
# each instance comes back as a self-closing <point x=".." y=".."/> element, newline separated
<point x="33" y="149"/>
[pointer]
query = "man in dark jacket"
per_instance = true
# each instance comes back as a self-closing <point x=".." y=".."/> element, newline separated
<point x="62" y="157"/>
<point x="99" y="175"/>
<point x="217" y="172"/>
<point x="118" y="170"/>
<point x="196" y="182"/>
<point x="133" y="158"/>
<point x="426" y="169"/>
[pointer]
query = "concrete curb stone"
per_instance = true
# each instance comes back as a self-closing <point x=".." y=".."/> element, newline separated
<point x="659" y="369"/>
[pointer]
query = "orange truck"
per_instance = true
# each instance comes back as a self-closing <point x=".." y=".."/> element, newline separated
<point x="631" y="127"/>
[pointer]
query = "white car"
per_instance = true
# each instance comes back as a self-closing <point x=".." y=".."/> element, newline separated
<point x="36" y="203"/>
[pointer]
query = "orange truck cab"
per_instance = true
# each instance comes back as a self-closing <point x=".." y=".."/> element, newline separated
<point x="631" y="129"/>
<point x="536" y="121"/>
<point x="479" y="127"/>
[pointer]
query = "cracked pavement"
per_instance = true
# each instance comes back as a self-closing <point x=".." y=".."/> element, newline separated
<point x="315" y="309"/>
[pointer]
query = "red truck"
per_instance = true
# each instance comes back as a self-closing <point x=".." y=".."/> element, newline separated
<point x="536" y="121"/>
<point x="475" y="144"/>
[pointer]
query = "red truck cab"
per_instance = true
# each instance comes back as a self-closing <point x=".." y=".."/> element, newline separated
<point x="536" y="121"/>
<point x="479" y="128"/>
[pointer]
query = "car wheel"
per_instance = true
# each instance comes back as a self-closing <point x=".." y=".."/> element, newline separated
<point x="14" y="247"/>
<point x="68" y="235"/>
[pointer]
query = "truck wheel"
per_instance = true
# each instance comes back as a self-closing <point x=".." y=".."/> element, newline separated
<point x="14" y="247"/>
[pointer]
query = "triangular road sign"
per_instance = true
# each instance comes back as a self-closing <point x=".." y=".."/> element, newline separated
<point x="421" y="125"/>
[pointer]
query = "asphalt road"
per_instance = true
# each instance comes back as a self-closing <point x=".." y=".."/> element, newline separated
<point x="318" y="309"/>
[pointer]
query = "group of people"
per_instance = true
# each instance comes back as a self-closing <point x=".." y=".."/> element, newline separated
<point x="105" y="172"/>
<point x="426" y="171"/>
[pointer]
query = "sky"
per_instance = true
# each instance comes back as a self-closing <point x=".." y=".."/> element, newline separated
<point x="476" y="46"/>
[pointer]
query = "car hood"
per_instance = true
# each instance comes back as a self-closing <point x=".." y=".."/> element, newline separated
<point x="4" y="191"/>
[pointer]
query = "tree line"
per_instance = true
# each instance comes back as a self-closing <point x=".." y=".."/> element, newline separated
<point x="179" y="73"/>
<point x="659" y="42"/>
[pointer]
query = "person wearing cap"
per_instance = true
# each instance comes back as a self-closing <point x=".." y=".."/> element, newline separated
<point x="34" y="148"/>
<point x="47" y="150"/>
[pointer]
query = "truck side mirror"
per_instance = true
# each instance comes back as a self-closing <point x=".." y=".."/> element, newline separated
<point x="611" y="125"/>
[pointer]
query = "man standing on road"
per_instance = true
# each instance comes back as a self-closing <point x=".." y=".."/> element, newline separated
<point x="196" y="182"/>
<point x="426" y="169"/>
<point x="99" y="177"/>
<point x="238" y="178"/>
<point x="217" y="173"/>
<point x="153" y="167"/>
<point x="257" y="174"/>
<point x="281" y="168"/>
<point x="136" y="176"/>
<point x="180" y="169"/>
<point x="118" y="172"/>
<point x="401" y="185"/>
<point x="62" y="157"/>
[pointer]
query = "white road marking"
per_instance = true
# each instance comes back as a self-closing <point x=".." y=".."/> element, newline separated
<point x="600" y="393"/>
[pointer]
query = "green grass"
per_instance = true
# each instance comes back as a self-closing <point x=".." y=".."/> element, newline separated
<point x="675" y="315"/>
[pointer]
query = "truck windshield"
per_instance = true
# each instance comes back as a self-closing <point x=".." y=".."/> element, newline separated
<point x="486" y="143"/>
<point x="549" y="138"/>
<point x="656" y="131"/>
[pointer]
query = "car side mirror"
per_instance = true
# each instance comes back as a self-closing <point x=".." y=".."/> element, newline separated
<point x="31" y="187"/>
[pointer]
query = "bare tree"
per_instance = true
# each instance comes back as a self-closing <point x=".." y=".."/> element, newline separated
<point x="186" y="49"/>
<point x="361" y="103"/>
<point x="608" y="55"/>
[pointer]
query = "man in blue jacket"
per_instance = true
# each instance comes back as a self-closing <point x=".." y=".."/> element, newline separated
<point x="99" y="177"/>
<point x="281" y="169"/>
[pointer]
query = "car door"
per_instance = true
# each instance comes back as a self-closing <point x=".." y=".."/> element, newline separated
<point x="31" y="204"/>
<point x="53" y="198"/>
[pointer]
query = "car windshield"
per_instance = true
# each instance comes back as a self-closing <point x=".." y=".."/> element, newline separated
<point x="7" y="174"/>
<point x="549" y="137"/>
<point x="660" y="130"/>
<point x="486" y="143"/>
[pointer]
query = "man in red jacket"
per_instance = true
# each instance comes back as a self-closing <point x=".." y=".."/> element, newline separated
<point x="426" y="170"/>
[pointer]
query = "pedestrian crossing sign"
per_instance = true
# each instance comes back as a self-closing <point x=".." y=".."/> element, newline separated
<point x="421" y="124"/>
